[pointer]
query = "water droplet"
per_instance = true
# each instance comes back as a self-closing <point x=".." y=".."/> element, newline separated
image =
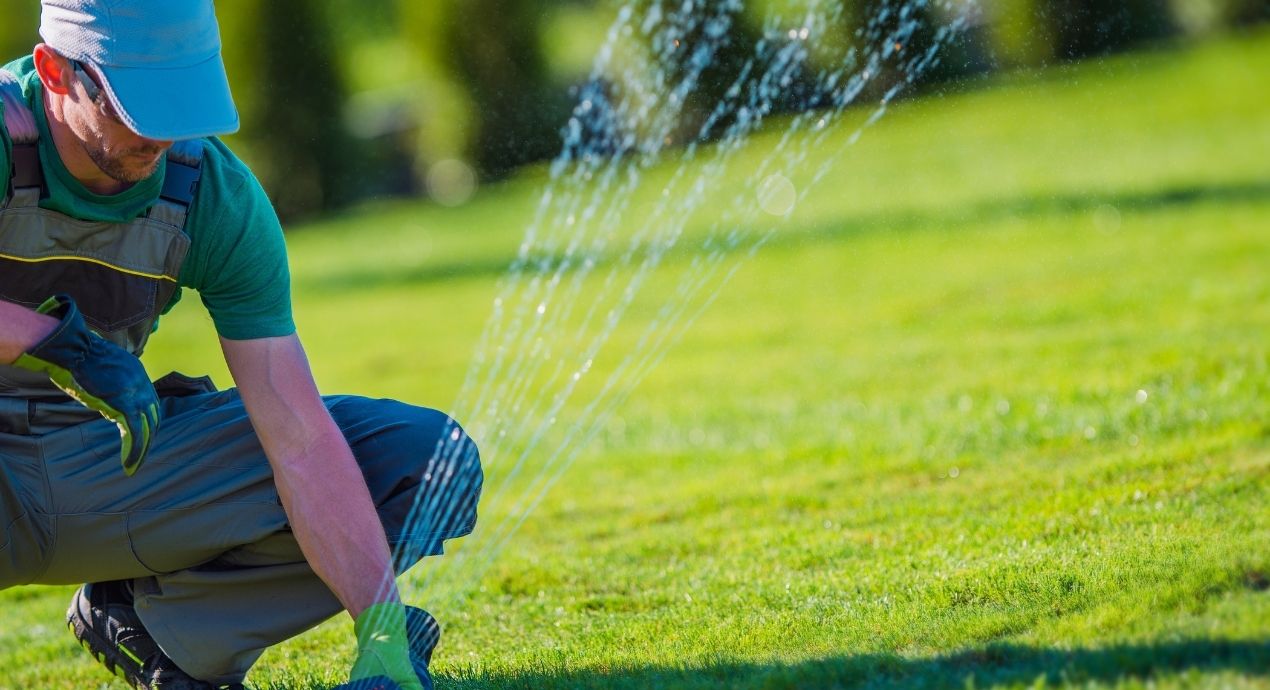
<point x="776" y="195"/>
<point x="1091" y="433"/>
<point x="542" y="308"/>
<point x="793" y="34"/>
<point x="954" y="473"/>
<point x="1141" y="396"/>
<point x="451" y="182"/>
<point x="804" y="33"/>
<point x="1107" y="218"/>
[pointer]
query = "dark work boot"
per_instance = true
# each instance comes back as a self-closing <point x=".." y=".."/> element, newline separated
<point x="104" y="621"/>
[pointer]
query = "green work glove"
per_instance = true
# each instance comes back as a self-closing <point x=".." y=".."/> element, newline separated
<point x="100" y="375"/>
<point x="382" y="647"/>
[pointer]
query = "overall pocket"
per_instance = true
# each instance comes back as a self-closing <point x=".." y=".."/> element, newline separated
<point x="91" y="547"/>
<point x="24" y="535"/>
<point x="165" y="541"/>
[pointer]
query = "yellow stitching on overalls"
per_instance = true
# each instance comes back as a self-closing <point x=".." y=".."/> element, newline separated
<point x="99" y="262"/>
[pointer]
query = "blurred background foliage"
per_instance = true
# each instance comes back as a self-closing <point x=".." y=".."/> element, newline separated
<point x="344" y="100"/>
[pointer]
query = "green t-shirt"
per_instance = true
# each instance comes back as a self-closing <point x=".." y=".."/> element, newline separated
<point x="237" y="259"/>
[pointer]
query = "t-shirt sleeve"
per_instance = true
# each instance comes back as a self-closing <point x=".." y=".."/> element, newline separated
<point x="22" y="66"/>
<point x="238" y="260"/>
<point x="5" y="148"/>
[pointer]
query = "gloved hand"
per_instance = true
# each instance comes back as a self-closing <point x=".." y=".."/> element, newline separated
<point x="100" y="375"/>
<point x="382" y="647"/>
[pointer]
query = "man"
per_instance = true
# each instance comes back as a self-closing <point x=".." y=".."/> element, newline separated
<point x="239" y="518"/>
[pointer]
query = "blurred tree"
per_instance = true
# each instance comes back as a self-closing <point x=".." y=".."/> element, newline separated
<point x="441" y="100"/>
<point x="282" y="62"/>
<point x="20" y="30"/>
<point x="494" y="48"/>
<point x="1202" y="16"/>
<point x="1034" y="32"/>
<point x="1081" y="28"/>
<point x="1246" y="11"/>
<point x="1019" y="36"/>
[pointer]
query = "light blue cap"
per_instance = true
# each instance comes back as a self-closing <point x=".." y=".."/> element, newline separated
<point x="160" y="60"/>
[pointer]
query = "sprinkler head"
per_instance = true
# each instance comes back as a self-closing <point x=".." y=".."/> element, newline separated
<point x="376" y="683"/>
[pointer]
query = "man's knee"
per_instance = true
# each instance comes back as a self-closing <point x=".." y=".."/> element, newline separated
<point x="438" y="500"/>
<point x="422" y="469"/>
<point x="452" y="478"/>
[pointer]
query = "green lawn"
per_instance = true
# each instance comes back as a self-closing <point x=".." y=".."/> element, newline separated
<point x="991" y="410"/>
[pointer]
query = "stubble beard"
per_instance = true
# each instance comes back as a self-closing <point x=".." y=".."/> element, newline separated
<point x="116" y="168"/>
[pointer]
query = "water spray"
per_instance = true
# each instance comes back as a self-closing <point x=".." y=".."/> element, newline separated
<point x="583" y="263"/>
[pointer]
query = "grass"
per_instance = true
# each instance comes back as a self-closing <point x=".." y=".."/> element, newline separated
<point x="990" y="411"/>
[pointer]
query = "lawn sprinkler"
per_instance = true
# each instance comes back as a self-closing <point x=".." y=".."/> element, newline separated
<point x="376" y="683"/>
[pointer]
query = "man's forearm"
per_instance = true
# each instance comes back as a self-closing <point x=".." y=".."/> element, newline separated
<point x="335" y="522"/>
<point x="21" y="329"/>
<point x="318" y="480"/>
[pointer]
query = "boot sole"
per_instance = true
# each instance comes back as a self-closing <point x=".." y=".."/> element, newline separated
<point x="79" y="620"/>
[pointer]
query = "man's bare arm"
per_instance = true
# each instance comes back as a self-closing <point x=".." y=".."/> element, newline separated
<point x="321" y="486"/>
<point x="21" y="329"/>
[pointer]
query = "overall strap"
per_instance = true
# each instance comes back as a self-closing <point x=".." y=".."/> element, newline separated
<point x="180" y="182"/>
<point x="26" y="176"/>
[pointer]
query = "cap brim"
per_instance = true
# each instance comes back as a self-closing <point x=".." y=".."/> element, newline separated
<point x="173" y="103"/>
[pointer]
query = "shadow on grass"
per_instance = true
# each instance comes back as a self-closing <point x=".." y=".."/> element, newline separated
<point x="1146" y="201"/>
<point x="993" y="666"/>
<point x="902" y="220"/>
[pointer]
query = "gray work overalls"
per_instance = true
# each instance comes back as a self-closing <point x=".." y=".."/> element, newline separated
<point x="217" y="573"/>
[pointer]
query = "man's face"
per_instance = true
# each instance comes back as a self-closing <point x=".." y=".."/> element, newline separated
<point x="119" y="152"/>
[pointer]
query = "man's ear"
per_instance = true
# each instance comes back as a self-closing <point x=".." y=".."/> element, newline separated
<point x="54" y="70"/>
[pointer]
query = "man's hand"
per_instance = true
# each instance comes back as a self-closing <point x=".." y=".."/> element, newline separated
<point x="382" y="647"/>
<point x="100" y="375"/>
